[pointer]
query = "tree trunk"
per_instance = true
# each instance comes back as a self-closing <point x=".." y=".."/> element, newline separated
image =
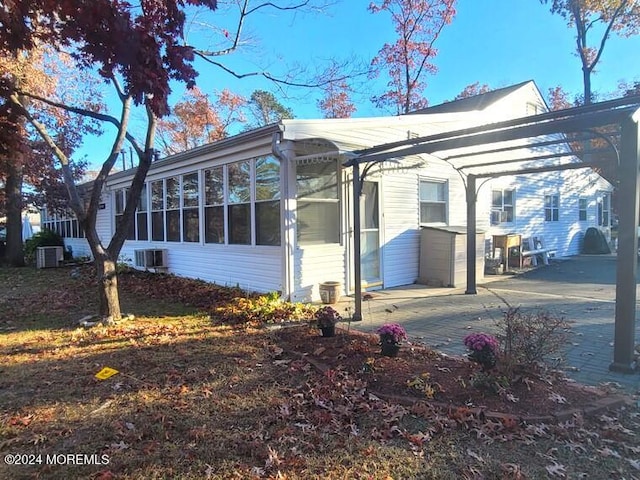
<point x="586" y="77"/>
<point x="14" y="253"/>
<point x="108" y="288"/>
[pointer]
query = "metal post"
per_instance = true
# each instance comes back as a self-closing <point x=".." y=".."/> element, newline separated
<point x="357" y="272"/>
<point x="471" y="235"/>
<point x="627" y="260"/>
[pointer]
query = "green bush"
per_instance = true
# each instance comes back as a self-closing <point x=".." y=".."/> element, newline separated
<point x="44" y="238"/>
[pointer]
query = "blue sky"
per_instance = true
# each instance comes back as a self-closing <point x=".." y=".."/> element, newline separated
<point x="489" y="41"/>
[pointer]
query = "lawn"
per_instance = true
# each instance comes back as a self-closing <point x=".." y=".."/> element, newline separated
<point x="205" y="390"/>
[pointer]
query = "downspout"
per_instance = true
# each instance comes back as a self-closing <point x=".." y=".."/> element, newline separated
<point x="286" y="224"/>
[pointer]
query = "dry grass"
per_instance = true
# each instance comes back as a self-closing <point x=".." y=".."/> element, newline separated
<point x="194" y="401"/>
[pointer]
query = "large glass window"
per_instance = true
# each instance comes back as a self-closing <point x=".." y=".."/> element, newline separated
<point x="239" y="202"/>
<point x="433" y="201"/>
<point x="214" y="205"/>
<point x="551" y="208"/>
<point x="502" y="206"/>
<point x="172" y="209"/>
<point x="318" y="203"/>
<point x="142" y="229"/>
<point x="120" y="204"/>
<point x="157" y="211"/>
<point x="190" y="208"/>
<point x="267" y="201"/>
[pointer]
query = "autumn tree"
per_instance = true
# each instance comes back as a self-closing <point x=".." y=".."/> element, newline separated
<point x="418" y="25"/>
<point x="472" y="90"/>
<point x="559" y="99"/>
<point x="602" y="18"/>
<point x="139" y="51"/>
<point x="197" y="120"/>
<point x="336" y="102"/>
<point x="626" y="89"/>
<point x="28" y="171"/>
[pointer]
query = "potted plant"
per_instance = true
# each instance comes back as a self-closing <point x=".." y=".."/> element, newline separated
<point x="326" y="319"/>
<point x="391" y="334"/>
<point x="483" y="349"/>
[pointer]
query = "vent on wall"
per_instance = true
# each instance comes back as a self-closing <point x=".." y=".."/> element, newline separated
<point x="151" y="258"/>
<point x="49" y="257"/>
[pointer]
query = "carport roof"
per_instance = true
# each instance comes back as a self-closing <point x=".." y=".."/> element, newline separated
<point x="614" y="124"/>
<point x="569" y="133"/>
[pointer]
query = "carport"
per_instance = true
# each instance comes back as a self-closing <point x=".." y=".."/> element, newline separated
<point x="604" y="136"/>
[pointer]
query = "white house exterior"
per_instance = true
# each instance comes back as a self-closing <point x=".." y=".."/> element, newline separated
<point x="270" y="209"/>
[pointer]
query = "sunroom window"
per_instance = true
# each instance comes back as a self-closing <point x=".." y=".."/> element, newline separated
<point x="267" y="201"/>
<point x="157" y="211"/>
<point x="214" y="205"/>
<point x="190" y="208"/>
<point x="172" y="212"/>
<point x="318" y="219"/>
<point x="239" y="202"/>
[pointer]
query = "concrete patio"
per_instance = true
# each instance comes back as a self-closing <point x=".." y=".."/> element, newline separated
<point x="581" y="289"/>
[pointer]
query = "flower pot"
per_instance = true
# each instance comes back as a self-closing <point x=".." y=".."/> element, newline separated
<point x="330" y="292"/>
<point x="390" y="349"/>
<point x="329" y="331"/>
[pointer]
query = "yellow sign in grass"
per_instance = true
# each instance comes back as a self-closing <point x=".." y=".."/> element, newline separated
<point x="105" y="373"/>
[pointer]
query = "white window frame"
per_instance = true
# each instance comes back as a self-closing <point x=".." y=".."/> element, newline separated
<point x="604" y="209"/>
<point x="551" y="208"/>
<point x="444" y="201"/>
<point x="583" y="204"/>
<point x="500" y="213"/>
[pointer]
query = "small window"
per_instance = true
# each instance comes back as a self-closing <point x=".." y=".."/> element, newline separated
<point x="433" y="201"/>
<point x="582" y="209"/>
<point x="604" y="210"/>
<point x="502" y="206"/>
<point x="551" y="208"/>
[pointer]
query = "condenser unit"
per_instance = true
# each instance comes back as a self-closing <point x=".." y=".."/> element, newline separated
<point x="49" y="257"/>
<point x="151" y="258"/>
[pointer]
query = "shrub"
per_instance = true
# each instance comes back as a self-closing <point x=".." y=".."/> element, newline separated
<point x="530" y="339"/>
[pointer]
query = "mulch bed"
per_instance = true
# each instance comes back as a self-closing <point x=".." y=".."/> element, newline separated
<point x="419" y="373"/>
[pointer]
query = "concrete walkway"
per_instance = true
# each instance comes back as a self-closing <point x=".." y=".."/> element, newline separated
<point x="581" y="289"/>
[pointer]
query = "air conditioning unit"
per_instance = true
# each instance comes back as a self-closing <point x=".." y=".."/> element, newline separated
<point x="151" y="258"/>
<point x="498" y="217"/>
<point x="49" y="257"/>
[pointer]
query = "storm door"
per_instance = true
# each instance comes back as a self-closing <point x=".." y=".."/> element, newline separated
<point x="370" y="234"/>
